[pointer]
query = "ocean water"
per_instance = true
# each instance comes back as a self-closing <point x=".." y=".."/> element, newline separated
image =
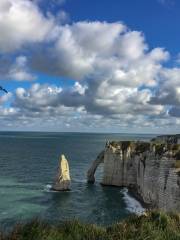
<point x="28" y="165"/>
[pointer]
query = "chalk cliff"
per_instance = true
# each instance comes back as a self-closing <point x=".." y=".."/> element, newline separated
<point x="63" y="180"/>
<point x="151" y="169"/>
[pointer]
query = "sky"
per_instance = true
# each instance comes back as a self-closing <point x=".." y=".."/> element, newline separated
<point x="90" y="65"/>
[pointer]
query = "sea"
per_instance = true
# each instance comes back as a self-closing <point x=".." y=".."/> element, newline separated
<point x="28" y="166"/>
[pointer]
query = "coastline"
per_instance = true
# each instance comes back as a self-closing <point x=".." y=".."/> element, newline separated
<point x="134" y="202"/>
<point x="134" y="193"/>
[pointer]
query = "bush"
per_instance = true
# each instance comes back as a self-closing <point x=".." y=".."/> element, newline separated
<point x="155" y="225"/>
<point x="142" y="147"/>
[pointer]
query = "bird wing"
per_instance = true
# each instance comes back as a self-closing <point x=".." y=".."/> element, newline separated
<point x="5" y="90"/>
<point x="2" y="89"/>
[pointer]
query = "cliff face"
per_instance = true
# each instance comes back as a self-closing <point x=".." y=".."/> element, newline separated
<point x="150" y="169"/>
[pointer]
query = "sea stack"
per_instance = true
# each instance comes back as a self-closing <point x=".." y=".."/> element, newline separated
<point x="63" y="180"/>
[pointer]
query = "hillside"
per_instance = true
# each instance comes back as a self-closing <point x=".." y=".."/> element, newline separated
<point x="156" y="226"/>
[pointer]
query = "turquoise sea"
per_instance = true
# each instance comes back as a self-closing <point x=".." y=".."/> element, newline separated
<point x="28" y="165"/>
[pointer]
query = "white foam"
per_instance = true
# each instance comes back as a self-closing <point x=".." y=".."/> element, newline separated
<point x="48" y="188"/>
<point x="132" y="205"/>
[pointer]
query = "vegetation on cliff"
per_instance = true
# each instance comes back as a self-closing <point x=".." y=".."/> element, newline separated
<point x="156" y="226"/>
<point x="140" y="147"/>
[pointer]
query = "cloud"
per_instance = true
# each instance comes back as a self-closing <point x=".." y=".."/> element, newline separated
<point x="118" y="79"/>
<point x="175" y="112"/>
<point x="21" y="22"/>
<point x="86" y="50"/>
<point x="19" y="70"/>
<point x="15" y="69"/>
<point x="168" y="91"/>
<point x="37" y="98"/>
<point x="4" y="98"/>
<point x="71" y="106"/>
<point x="111" y="62"/>
<point x="42" y="106"/>
<point x="77" y="49"/>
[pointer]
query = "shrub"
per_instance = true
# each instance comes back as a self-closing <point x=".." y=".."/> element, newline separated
<point x="155" y="225"/>
<point x="142" y="147"/>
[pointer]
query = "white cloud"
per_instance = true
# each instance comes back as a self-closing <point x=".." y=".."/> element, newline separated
<point x="113" y="63"/>
<point x="38" y="98"/>
<point x="86" y="50"/>
<point x="48" y="103"/>
<point x="5" y="97"/>
<point x="168" y="92"/>
<point x="118" y="79"/>
<point x="21" y="22"/>
<point x="15" y="69"/>
<point x="79" y="47"/>
<point x="19" y="71"/>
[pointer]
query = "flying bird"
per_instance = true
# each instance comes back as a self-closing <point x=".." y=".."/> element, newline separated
<point x="2" y="89"/>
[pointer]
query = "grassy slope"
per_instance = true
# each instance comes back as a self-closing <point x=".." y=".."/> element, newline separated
<point x="154" y="226"/>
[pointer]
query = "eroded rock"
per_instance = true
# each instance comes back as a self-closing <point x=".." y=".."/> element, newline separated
<point x="63" y="180"/>
<point x="92" y="170"/>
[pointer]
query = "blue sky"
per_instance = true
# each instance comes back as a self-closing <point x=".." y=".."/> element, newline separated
<point x="96" y="66"/>
<point x="158" y="20"/>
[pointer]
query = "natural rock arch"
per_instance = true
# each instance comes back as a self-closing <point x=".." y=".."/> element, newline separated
<point x="95" y="164"/>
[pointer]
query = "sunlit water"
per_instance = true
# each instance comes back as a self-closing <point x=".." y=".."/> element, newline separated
<point x="28" y="164"/>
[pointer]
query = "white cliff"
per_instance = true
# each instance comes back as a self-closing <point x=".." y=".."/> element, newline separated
<point x="63" y="180"/>
<point x="149" y="169"/>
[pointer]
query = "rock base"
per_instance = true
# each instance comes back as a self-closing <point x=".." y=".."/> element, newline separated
<point x="63" y="186"/>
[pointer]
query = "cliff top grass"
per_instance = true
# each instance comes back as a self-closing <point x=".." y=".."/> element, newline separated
<point x="140" y="147"/>
<point x="156" y="226"/>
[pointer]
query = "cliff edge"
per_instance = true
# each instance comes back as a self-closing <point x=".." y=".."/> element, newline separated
<point x="152" y="169"/>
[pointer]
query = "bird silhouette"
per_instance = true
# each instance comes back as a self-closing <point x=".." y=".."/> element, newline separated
<point x="2" y="89"/>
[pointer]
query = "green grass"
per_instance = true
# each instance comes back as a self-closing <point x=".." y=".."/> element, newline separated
<point x="154" y="226"/>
